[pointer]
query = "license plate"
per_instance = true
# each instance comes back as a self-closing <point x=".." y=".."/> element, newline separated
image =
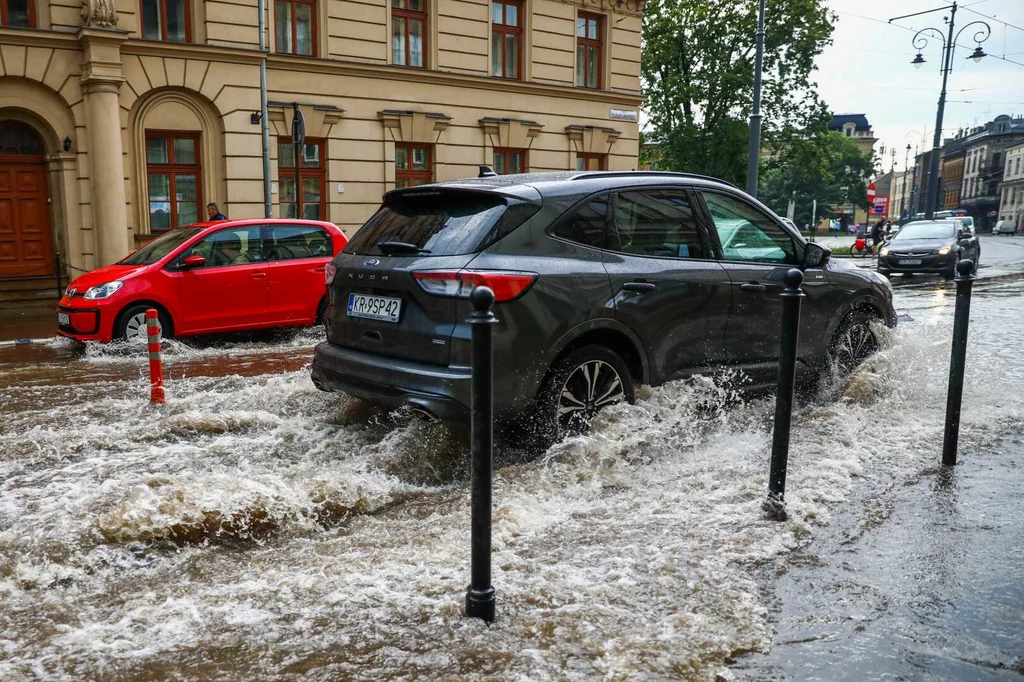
<point x="382" y="308"/>
<point x="909" y="261"/>
<point x="64" y="319"/>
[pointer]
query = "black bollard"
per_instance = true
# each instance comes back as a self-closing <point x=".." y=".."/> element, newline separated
<point x="480" y="595"/>
<point x="957" y="360"/>
<point x="791" y="299"/>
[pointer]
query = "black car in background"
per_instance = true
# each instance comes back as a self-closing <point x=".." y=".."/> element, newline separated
<point x="603" y="281"/>
<point x="929" y="246"/>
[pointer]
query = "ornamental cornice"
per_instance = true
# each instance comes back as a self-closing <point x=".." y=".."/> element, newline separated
<point x="631" y="7"/>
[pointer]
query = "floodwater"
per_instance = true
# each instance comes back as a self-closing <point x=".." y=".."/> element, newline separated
<point x="254" y="527"/>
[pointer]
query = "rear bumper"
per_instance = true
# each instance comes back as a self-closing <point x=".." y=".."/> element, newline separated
<point x="443" y="392"/>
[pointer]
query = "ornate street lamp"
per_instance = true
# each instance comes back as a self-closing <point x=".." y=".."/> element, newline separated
<point x="920" y="41"/>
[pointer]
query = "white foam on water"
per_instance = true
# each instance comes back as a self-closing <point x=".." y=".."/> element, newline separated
<point x="256" y="527"/>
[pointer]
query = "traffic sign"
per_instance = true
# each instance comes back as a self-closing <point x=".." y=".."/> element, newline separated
<point x="871" y="192"/>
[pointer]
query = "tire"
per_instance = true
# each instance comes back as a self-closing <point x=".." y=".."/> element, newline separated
<point x="852" y="343"/>
<point x="570" y="397"/>
<point x="321" y="312"/>
<point x="133" y="319"/>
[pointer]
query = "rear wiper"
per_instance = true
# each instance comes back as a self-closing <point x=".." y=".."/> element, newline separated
<point x="390" y="248"/>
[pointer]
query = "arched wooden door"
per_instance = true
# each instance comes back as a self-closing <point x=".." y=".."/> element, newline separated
<point x="26" y="240"/>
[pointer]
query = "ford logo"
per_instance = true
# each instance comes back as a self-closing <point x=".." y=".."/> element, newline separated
<point x="372" y="261"/>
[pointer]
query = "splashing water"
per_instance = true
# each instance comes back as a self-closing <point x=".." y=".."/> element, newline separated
<point x="256" y="527"/>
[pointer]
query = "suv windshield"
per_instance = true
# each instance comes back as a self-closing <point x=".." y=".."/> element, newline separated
<point x="943" y="230"/>
<point x="161" y="246"/>
<point x="438" y="223"/>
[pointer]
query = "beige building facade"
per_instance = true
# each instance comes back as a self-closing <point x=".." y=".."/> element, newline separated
<point x="122" y="118"/>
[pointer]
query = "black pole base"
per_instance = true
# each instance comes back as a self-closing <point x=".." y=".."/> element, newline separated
<point x="480" y="604"/>
<point x="775" y="508"/>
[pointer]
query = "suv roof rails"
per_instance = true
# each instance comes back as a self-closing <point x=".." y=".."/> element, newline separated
<point x="670" y="174"/>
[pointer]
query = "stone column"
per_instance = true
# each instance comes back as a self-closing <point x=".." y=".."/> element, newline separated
<point x="101" y="79"/>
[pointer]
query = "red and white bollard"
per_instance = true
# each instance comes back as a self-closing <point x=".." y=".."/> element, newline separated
<point x="156" y="363"/>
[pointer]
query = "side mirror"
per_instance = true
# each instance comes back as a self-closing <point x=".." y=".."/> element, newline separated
<point x="193" y="261"/>
<point x="816" y="256"/>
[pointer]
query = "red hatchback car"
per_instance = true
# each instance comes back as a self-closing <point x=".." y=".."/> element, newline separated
<point x="231" y="275"/>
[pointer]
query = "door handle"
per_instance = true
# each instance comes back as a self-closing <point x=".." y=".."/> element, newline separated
<point x="639" y="287"/>
<point x="259" y="275"/>
<point x="751" y="286"/>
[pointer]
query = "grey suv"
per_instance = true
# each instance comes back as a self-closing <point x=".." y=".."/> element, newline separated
<point x="603" y="281"/>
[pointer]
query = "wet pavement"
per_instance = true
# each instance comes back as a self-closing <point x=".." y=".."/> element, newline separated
<point x="256" y="528"/>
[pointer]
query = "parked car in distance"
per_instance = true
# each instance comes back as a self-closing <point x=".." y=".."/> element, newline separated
<point x="225" y="276"/>
<point x="929" y="246"/>
<point x="1005" y="227"/>
<point x="602" y="281"/>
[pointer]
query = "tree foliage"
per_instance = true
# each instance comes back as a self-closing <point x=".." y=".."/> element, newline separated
<point x="820" y="165"/>
<point x="698" y="68"/>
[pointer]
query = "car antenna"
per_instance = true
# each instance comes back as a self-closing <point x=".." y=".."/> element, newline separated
<point x="486" y="172"/>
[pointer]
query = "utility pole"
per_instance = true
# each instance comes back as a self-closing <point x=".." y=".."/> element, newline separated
<point x="264" y="123"/>
<point x="903" y="188"/>
<point x="754" y="147"/>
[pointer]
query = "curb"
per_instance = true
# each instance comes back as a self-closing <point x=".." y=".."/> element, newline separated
<point x="24" y="342"/>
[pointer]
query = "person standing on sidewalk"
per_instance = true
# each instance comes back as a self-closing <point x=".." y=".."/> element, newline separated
<point x="214" y="213"/>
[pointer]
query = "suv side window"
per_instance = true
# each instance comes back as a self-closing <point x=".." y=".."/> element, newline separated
<point x="746" y="233"/>
<point x="586" y="224"/>
<point x="656" y="222"/>
<point x="287" y="242"/>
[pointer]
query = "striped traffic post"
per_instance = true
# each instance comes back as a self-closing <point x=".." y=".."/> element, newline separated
<point x="156" y="363"/>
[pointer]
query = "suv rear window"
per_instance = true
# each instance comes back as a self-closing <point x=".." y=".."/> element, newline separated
<point x="440" y="223"/>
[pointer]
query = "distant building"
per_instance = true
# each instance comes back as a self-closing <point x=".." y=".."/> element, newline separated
<point x="1011" y="191"/>
<point x="984" y="149"/>
<point x="899" y="195"/>
<point x="952" y="172"/>
<point x="857" y="127"/>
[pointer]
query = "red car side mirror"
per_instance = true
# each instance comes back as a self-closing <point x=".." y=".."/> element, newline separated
<point x="194" y="261"/>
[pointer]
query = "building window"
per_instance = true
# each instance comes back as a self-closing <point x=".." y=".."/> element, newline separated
<point x="508" y="161"/>
<point x="174" y="179"/>
<point x="18" y="13"/>
<point x="413" y="165"/>
<point x="295" y="26"/>
<point x="588" y="50"/>
<point x="506" y="38"/>
<point x="167" y="20"/>
<point x="591" y="162"/>
<point x="312" y="179"/>
<point x="409" y="32"/>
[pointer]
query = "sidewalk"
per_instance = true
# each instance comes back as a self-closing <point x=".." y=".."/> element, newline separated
<point x="31" y="322"/>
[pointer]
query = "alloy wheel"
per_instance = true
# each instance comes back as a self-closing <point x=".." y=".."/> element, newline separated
<point x="591" y="386"/>
<point x="854" y="345"/>
<point x="136" y="329"/>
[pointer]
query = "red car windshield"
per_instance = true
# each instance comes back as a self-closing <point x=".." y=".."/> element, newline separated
<point x="161" y="246"/>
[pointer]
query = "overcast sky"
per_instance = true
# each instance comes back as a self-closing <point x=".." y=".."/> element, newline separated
<point x="867" y="69"/>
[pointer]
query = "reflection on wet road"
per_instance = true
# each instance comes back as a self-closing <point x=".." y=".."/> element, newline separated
<point x="256" y="527"/>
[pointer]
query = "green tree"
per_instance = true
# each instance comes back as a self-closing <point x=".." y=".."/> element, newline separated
<point x="697" y="72"/>
<point x="816" y="164"/>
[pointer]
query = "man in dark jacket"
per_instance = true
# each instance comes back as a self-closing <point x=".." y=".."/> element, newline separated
<point x="877" y="234"/>
<point x="214" y="213"/>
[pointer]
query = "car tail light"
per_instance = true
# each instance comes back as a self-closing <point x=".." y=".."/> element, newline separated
<point x="330" y="270"/>
<point x="507" y="286"/>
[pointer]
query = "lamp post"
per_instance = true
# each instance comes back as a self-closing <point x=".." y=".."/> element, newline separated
<point x="906" y="169"/>
<point x="920" y="41"/>
<point x="754" y="144"/>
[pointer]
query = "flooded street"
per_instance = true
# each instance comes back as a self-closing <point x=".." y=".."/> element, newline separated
<point x="257" y="528"/>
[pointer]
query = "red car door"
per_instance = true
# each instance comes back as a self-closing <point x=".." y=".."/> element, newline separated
<point x="296" y="257"/>
<point x="231" y="291"/>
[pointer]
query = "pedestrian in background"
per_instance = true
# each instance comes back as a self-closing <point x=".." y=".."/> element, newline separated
<point x="214" y="213"/>
<point x="876" y="235"/>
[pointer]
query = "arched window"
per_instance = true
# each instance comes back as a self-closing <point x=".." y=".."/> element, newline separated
<point x="20" y="139"/>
